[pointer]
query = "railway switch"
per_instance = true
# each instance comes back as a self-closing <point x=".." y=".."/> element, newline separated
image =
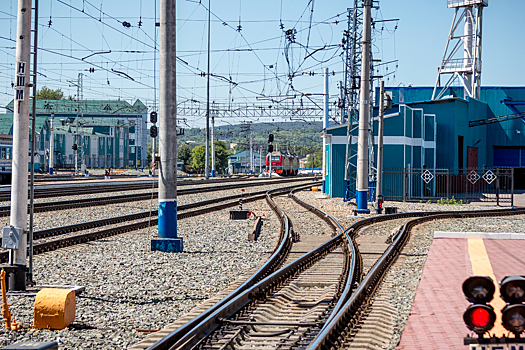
<point x="479" y="317"/>
<point x="513" y="314"/>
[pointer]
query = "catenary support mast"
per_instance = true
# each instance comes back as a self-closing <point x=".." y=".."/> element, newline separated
<point x="364" y="114"/>
<point x="18" y="221"/>
<point x="167" y="133"/>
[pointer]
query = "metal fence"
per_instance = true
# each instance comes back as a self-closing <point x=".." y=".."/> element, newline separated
<point x="100" y="162"/>
<point x="469" y="185"/>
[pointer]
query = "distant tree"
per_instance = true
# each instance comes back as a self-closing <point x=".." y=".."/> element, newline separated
<point x="221" y="157"/>
<point x="47" y="94"/>
<point x="198" y="155"/>
<point x="184" y="154"/>
<point x="317" y="158"/>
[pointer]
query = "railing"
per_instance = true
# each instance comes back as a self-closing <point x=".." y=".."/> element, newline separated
<point x="469" y="185"/>
<point x="458" y="3"/>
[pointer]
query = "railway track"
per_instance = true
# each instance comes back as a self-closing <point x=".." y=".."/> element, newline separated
<point x="100" y="201"/>
<point x="5" y="195"/>
<point x="274" y="311"/>
<point x="279" y="312"/>
<point x="184" y="211"/>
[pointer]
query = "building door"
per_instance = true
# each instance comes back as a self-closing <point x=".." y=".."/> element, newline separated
<point x="472" y="157"/>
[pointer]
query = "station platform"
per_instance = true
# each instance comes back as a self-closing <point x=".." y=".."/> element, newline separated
<point x="436" y="318"/>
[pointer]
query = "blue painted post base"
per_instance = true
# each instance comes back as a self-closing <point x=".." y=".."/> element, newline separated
<point x="50" y="171"/>
<point x="323" y="188"/>
<point x="167" y="245"/>
<point x="361" y="200"/>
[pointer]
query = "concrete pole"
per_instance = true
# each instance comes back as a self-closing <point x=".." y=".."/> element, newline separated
<point x="212" y="146"/>
<point x="260" y="159"/>
<point x="325" y="124"/>
<point x="51" y="143"/>
<point x="251" y="156"/>
<point x="364" y="114"/>
<point x="167" y="222"/>
<point x="153" y="152"/>
<point x="341" y="109"/>
<point x="207" y="150"/>
<point x="19" y="185"/>
<point x="379" y="189"/>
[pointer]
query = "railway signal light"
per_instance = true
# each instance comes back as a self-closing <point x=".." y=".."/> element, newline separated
<point x="479" y="317"/>
<point x="74" y="147"/>
<point x="153" y="117"/>
<point x="153" y="131"/>
<point x="270" y="138"/>
<point x="513" y="292"/>
<point x="270" y="148"/>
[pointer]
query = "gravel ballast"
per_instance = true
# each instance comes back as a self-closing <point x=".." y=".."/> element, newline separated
<point x="129" y="288"/>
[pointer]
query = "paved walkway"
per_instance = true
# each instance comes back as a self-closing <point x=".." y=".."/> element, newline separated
<point x="436" y="319"/>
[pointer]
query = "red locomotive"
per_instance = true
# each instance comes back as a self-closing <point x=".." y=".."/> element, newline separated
<point x="284" y="164"/>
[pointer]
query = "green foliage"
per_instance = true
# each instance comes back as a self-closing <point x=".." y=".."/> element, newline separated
<point x="451" y="201"/>
<point x="429" y="202"/>
<point x="300" y="137"/>
<point x="317" y="158"/>
<point x="47" y="94"/>
<point x="221" y="157"/>
<point x="184" y="154"/>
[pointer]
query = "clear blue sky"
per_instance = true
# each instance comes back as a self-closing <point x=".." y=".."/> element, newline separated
<point x="254" y="58"/>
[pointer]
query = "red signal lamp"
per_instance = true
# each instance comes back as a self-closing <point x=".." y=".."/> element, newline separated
<point x="479" y="318"/>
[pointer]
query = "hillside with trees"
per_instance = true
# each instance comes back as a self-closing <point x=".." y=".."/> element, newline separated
<point x="301" y="137"/>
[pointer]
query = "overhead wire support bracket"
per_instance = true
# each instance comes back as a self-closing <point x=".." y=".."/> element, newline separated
<point x="96" y="53"/>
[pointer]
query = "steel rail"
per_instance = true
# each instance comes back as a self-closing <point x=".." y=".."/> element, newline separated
<point x="86" y="237"/>
<point x="119" y="187"/>
<point x="194" y="328"/>
<point x="333" y="333"/>
<point x="208" y="321"/>
<point x="99" y="201"/>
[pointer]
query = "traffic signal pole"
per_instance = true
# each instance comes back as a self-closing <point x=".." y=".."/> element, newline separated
<point x="167" y="134"/>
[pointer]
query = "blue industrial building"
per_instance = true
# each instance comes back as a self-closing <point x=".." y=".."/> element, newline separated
<point x="450" y="133"/>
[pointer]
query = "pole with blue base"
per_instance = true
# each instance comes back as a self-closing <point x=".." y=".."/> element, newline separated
<point x="364" y="115"/>
<point x="167" y="222"/>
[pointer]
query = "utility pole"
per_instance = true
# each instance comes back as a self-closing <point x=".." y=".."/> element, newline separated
<point x="212" y="145"/>
<point x="167" y="222"/>
<point x="15" y="236"/>
<point x="260" y="159"/>
<point x="251" y="155"/>
<point x="207" y="154"/>
<point x="51" y="143"/>
<point x="325" y="125"/>
<point x="379" y="186"/>
<point x="341" y="109"/>
<point x="364" y="115"/>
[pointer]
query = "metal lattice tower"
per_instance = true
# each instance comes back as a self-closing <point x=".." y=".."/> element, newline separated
<point x="467" y="67"/>
<point x="353" y="48"/>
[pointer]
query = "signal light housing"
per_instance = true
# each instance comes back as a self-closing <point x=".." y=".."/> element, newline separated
<point x="479" y="289"/>
<point x="153" y="131"/>
<point x="153" y="117"/>
<point x="513" y="318"/>
<point x="479" y="318"/>
<point x="270" y="138"/>
<point x="74" y="147"/>
<point x="270" y="148"/>
<point x="512" y="289"/>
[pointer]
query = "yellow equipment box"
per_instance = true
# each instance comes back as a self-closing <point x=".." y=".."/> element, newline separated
<point x="54" y="308"/>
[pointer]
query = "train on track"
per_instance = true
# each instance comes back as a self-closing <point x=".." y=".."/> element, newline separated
<point x="284" y="164"/>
